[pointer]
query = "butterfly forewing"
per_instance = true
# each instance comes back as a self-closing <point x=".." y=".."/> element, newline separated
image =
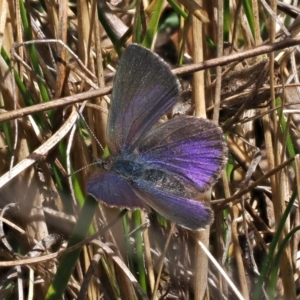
<point x="144" y="89"/>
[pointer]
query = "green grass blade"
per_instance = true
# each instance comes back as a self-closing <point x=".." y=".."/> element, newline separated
<point x="227" y="26"/>
<point x="153" y="24"/>
<point x="178" y="9"/>
<point x="68" y="262"/>
<point x="32" y="52"/>
<point x="269" y="258"/>
<point x="140" y="251"/>
<point x="249" y="14"/>
<point x="283" y="125"/>
<point x="22" y="88"/>
<point x="273" y="281"/>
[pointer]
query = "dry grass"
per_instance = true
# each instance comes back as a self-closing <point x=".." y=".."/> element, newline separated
<point x="248" y="83"/>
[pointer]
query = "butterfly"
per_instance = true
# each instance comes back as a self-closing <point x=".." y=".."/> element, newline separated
<point x="165" y="166"/>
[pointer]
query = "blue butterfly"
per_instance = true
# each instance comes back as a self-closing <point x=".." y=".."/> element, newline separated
<point x="164" y="166"/>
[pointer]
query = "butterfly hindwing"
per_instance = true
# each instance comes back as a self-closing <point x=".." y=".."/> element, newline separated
<point x="111" y="189"/>
<point x="188" y="213"/>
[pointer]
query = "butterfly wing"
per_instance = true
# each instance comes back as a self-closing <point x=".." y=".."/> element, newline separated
<point x="188" y="213"/>
<point x="144" y="89"/>
<point x="191" y="148"/>
<point x="113" y="190"/>
<point x="188" y="149"/>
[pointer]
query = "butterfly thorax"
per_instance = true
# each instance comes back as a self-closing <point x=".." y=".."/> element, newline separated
<point x="127" y="168"/>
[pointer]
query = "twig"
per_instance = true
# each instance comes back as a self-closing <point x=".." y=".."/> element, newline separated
<point x="288" y="42"/>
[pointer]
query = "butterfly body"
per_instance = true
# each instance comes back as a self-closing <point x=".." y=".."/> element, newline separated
<point x="127" y="168"/>
<point x="135" y="172"/>
<point x="166" y="166"/>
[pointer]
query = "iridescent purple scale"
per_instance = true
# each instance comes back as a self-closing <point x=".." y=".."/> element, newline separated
<point x="113" y="190"/>
<point x="189" y="147"/>
<point x="164" y="166"/>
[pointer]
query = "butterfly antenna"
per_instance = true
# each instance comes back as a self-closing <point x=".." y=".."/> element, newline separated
<point x="98" y="161"/>
<point x="91" y="132"/>
<point x="87" y="166"/>
<point x="142" y="227"/>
